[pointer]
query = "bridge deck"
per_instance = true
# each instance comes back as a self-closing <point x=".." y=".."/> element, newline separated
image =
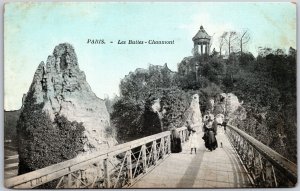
<point x="220" y="168"/>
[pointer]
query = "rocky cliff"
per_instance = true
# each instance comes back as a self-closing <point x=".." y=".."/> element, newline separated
<point x="193" y="114"/>
<point x="62" y="89"/>
<point x="229" y="105"/>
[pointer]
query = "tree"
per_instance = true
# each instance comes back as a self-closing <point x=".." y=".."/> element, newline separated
<point x="137" y="84"/>
<point x="292" y="52"/>
<point x="43" y="142"/>
<point x="222" y="42"/>
<point x="244" y="39"/>
<point x="127" y="116"/>
<point x="230" y="39"/>
<point x="264" y="51"/>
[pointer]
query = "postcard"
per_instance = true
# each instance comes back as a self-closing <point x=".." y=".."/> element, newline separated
<point x="150" y="95"/>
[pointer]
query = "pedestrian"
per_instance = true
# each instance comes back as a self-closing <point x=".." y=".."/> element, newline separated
<point x="188" y="126"/>
<point x="193" y="141"/>
<point x="175" y="141"/>
<point x="210" y="135"/>
<point x="205" y="120"/>
<point x="224" y="124"/>
<point x="218" y="124"/>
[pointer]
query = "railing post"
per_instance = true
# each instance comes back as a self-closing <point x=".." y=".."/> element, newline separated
<point x="262" y="173"/>
<point x="276" y="184"/>
<point x="69" y="180"/>
<point x="77" y="183"/>
<point x="154" y="150"/>
<point x="169" y="144"/>
<point x="250" y="158"/>
<point x="129" y="166"/>
<point x="144" y="158"/>
<point x="162" y="145"/>
<point x="106" y="174"/>
<point x="181" y="136"/>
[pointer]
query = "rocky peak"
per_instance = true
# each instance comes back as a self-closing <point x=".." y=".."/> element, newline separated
<point x="193" y="114"/>
<point x="65" y="57"/>
<point x="62" y="88"/>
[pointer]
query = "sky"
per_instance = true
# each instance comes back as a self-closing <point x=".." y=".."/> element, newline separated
<point x="32" y="30"/>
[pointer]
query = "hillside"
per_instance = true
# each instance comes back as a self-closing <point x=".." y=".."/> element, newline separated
<point x="10" y="124"/>
<point x="265" y="85"/>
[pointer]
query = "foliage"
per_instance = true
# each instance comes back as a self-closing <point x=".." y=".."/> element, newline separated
<point x="10" y="124"/>
<point x="136" y="119"/>
<point x="176" y="102"/>
<point x="133" y="114"/>
<point x="266" y="85"/>
<point x="209" y="70"/>
<point x="43" y="142"/>
<point x="138" y="84"/>
<point x="128" y="117"/>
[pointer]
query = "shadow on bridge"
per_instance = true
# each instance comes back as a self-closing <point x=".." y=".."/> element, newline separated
<point x="191" y="172"/>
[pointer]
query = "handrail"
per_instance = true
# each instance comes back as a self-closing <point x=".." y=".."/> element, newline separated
<point x="150" y="150"/>
<point x="260" y="160"/>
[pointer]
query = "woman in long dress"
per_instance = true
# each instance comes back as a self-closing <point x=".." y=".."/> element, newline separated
<point x="210" y="136"/>
<point x="175" y="141"/>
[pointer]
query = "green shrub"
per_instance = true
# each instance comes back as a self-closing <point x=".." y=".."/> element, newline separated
<point x="43" y="142"/>
<point x="10" y="125"/>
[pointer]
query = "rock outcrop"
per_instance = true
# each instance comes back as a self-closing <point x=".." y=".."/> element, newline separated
<point x="62" y="88"/>
<point x="193" y="114"/>
<point x="229" y="105"/>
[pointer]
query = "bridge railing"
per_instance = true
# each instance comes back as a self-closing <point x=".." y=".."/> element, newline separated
<point x="117" y="167"/>
<point x="266" y="167"/>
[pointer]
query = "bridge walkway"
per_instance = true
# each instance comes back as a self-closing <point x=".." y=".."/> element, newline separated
<point x="220" y="168"/>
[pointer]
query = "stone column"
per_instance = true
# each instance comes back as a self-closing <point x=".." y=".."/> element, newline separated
<point x="196" y="49"/>
<point x="207" y="48"/>
<point x="208" y="51"/>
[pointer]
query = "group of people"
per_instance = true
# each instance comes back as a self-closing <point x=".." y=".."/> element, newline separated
<point x="211" y="127"/>
<point x="212" y="124"/>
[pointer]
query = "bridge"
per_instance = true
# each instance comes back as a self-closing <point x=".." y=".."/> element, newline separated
<point x="148" y="163"/>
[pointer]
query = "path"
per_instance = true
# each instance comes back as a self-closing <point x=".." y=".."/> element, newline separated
<point x="218" y="169"/>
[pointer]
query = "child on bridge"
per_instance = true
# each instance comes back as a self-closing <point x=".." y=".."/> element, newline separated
<point x="193" y="141"/>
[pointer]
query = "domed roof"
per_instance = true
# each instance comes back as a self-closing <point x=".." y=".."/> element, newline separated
<point x="201" y="34"/>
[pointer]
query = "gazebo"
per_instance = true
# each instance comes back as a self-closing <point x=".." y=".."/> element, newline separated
<point x="201" y="42"/>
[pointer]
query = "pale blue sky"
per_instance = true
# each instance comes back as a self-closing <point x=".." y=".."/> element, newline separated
<point x="32" y="30"/>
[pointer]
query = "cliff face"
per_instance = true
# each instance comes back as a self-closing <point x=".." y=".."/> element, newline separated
<point x="193" y="114"/>
<point x="229" y="105"/>
<point x="62" y="88"/>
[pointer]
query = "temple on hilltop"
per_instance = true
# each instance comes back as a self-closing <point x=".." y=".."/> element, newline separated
<point x="201" y="42"/>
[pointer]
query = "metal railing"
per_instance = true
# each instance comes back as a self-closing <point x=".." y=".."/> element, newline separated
<point x="120" y="166"/>
<point x="266" y="167"/>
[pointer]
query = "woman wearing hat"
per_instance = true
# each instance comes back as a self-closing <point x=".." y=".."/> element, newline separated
<point x="210" y="135"/>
